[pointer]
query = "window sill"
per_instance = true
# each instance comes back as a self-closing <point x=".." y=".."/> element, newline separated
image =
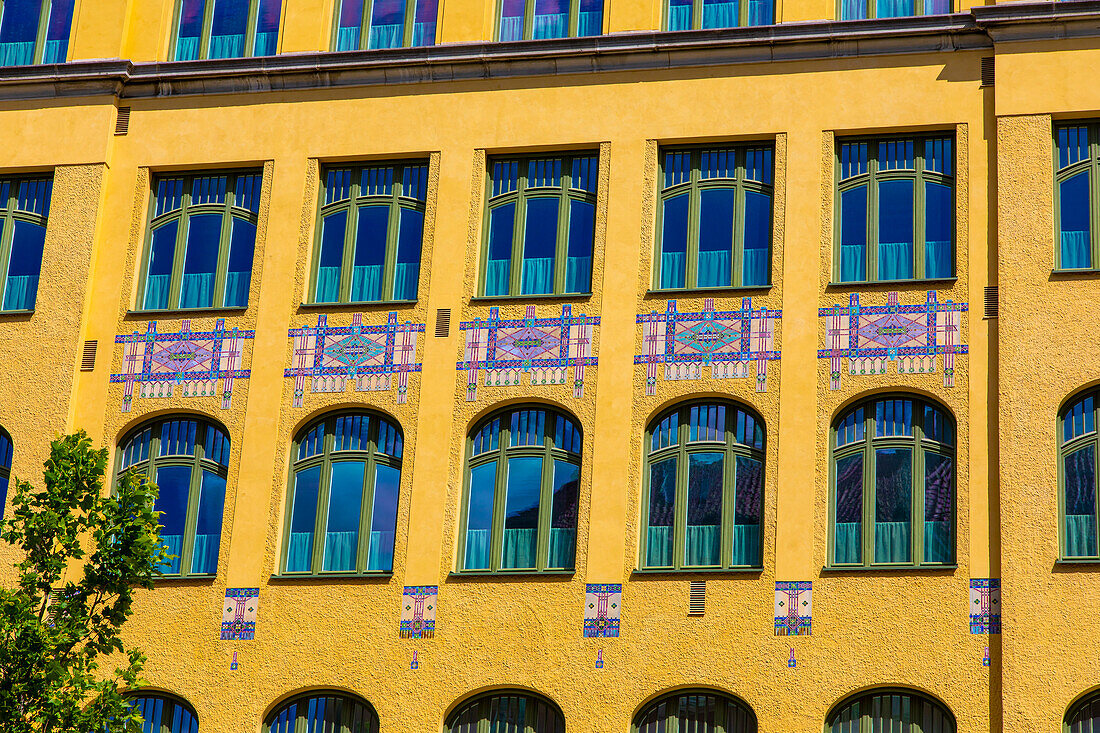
<point x="236" y="310"/>
<point x="1078" y="561"/>
<point x="357" y="304"/>
<point x="18" y="312"/>
<point x="664" y="292"/>
<point x="184" y="579"/>
<point x="375" y="575"/>
<point x="856" y="285"/>
<point x="460" y="574"/>
<point x="860" y="569"/>
<point x="1060" y="272"/>
<point x="551" y="296"/>
<point x="696" y="571"/>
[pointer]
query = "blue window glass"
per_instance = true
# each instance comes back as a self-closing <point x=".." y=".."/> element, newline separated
<point x="1077" y="469"/>
<point x="322" y="710"/>
<point x="5" y="468"/>
<point x="535" y="19"/>
<point x="682" y="15"/>
<point x="163" y="714"/>
<point x="24" y="209"/>
<point x="35" y="31"/>
<point x="1075" y="179"/>
<point x="223" y="29"/>
<point x="861" y="9"/>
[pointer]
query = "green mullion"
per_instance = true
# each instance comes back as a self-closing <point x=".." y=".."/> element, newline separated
<point x="1094" y="195"/>
<point x="691" y="249"/>
<point x="729" y="493"/>
<point x="574" y="19"/>
<point x="40" y="37"/>
<point x="546" y="503"/>
<point x="320" y="521"/>
<point x="867" y="531"/>
<point x="916" y="512"/>
<point x="178" y="254"/>
<point x="500" y="495"/>
<point x="7" y="234"/>
<point x="364" y="25"/>
<point x="696" y="24"/>
<point x="528" y="19"/>
<point x="871" y="252"/>
<point x="680" y="500"/>
<point x="561" y="247"/>
<point x="347" y="260"/>
<point x="518" y="228"/>
<point x="410" y="20"/>
<point x="207" y="27"/>
<point x="224" y="243"/>
<point x="250" y="29"/>
<point x="393" y="224"/>
<point x="739" y="200"/>
<point x="919" y="203"/>
<point x="366" y="507"/>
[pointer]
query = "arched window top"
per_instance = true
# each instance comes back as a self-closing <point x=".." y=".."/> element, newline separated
<point x="1083" y="716"/>
<point x="507" y="710"/>
<point x="901" y="711"/>
<point x="896" y="416"/>
<point x="330" y="711"/>
<point x="362" y="432"/>
<point x="1078" y="417"/>
<point x="526" y="426"/>
<point x="176" y="436"/>
<point x="164" y="713"/>
<point x="702" y="710"/>
<point x="712" y="422"/>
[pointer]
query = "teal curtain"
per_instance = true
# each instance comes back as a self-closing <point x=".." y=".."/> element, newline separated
<point x="895" y="260"/>
<point x="236" y="289"/>
<point x="755" y="267"/>
<point x="892" y="542"/>
<point x="197" y="290"/>
<point x="340" y="551"/>
<point x="746" y="544"/>
<point x="347" y="39"/>
<point x="1075" y="250"/>
<point x="266" y="43"/>
<point x="204" y="561"/>
<point x="590" y="23"/>
<point x="563" y="548"/>
<point x="19" y="294"/>
<point x="496" y="277"/>
<point x="477" y="549"/>
<point x="578" y="274"/>
<point x="55" y="52"/>
<point x="658" y="546"/>
<point x="519" y="548"/>
<point x="851" y="263"/>
<point x="174" y="544"/>
<point x="380" y="551"/>
<point x="187" y="48"/>
<point x="299" y="552"/>
<point x="328" y="285"/>
<point x="720" y="15"/>
<point x="894" y="8"/>
<point x="702" y="546"/>
<point x="937" y="542"/>
<point x="404" y="280"/>
<point x="846" y="544"/>
<point x="679" y="18"/>
<point x="511" y="29"/>
<point x="538" y="275"/>
<point x="853" y="9"/>
<point x="761" y="12"/>
<point x="1080" y="535"/>
<point x="229" y="46"/>
<point x="714" y="268"/>
<point x="551" y="26"/>
<point x="672" y="269"/>
<point x="423" y="34"/>
<point x="16" y="54"/>
<point x="156" y="291"/>
<point x="366" y="282"/>
<point x="386" y="36"/>
<point x="937" y="259"/>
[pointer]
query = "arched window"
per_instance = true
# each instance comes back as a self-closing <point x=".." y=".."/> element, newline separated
<point x="893" y="470"/>
<point x="164" y="714"/>
<point x="187" y="458"/>
<point x="900" y="711"/>
<point x="5" y="468"/>
<point x="703" y="488"/>
<point x="696" y="710"/>
<point x="512" y="711"/>
<point x="1084" y="715"/>
<point x="332" y="712"/>
<point x="344" y="486"/>
<point x="520" y="507"/>
<point x="1077" y="475"/>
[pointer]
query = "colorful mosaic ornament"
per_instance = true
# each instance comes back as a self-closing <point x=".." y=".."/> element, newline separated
<point x="912" y="335"/>
<point x="599" y="659"/>
<point x="793" y="608"/>
<point x="791" y="662"/>
<point x="418" y="611"/>
<point x="985" y="605"/>
<point x="239" y="614"/>
<point x="731" y="343"/>
<point x="191" y="361"/>
<point x="602" y="609"/>
<point x="545" y="348"/>
<point x="415" y="661"/>
<point x="369" y="356"/>
<point x="233" y="664"/>
<point x="985" y="659"/>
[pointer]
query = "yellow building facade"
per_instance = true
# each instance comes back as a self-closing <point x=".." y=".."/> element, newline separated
<point x="983" y="343"/>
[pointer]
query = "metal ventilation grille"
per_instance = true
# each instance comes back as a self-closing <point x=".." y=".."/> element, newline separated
<point x="992" y="302"/>
<point x="989" y="71"/>
<point x="697" y="600"/>
<point x="122" y="122"/>
<point x="443" y="323"/>
<point x="87" y="361"/>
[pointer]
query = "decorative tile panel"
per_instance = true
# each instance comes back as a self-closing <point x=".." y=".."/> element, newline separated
<point x="793" y="608"/>
<point x="734" y="344"/>
<point x="603" y="605"/>
<point x="912" y="336"/>
<point x="985" y="605"/>
<point x="544" y="348"/>
<point x="329" y="357"/>
<point x="189" y="361"/>
<point x="239" y="614"/>
<point x="418" y="604"/>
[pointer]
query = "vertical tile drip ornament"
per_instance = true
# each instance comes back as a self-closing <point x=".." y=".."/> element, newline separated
<point x="791" y="661"/>
<point x="793" y="608"/>
<point x="985" y="605"/>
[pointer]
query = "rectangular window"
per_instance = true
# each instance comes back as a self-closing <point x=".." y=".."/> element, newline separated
<point x="862" y="9"/>
<point x="540" y="225"/>
<point x="202" y="233"/>
<point x="35" y="31"/>
<point x="24" y="208"/>
<point x="1076" y="196"/>
<point x="895" y="210"/>
<point x="224" y="29"/>
<point x="370" y="233"/>
<point x="685" y="15"/>
<point x="365" y="24"/>
<point x="714" y="221"/>
<point x="533" y="19"/>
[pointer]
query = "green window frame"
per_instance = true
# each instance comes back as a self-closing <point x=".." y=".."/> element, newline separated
<point x="327" y="710"/>
<point x="714" y="218"/>
<point x="342" y="496"/>
<point x="370" y="234"/>
<point x="164" y="713"/>
<point x="864" y="9"/>
<point x="221" y="29"/>
<point x="200" y="243"/>
<point x="1078" y="444"/>
<point x="24" y="211"/>
<point x="5" y="468"/>
<point x="515" y="711"/>
<point x="688" y="710"/>
<point x="357" y="24"/>
<point x="188" y="459"/>
<point x="46" y="41"/>
<point x="888" y="709"/>
<point x="683" y="15"/>
<point x="894" y="209"/>
<point x="892" y="468"/>
<point x="1077" y="196"/>
<point x="538" y="19"/>
<point x="521" y="492"/>
<point x="703" y="488"/>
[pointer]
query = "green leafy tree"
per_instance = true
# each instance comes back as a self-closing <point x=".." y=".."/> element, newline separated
<point x="84" y="554"/>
